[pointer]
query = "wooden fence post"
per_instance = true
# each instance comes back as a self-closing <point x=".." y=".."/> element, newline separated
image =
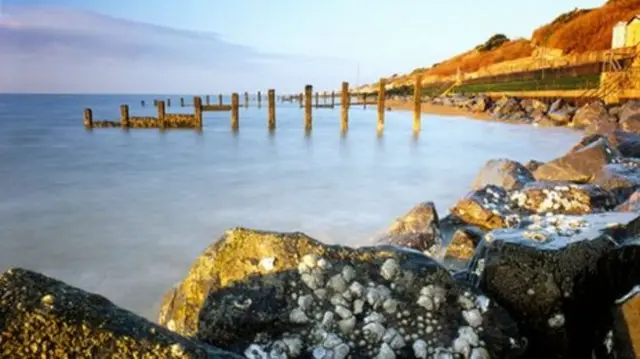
<point x="417" y="102"/>
<point x="364" y="100"/>
<point x="271" y="115"/>
<point x="333" y="99"/>
<point x="220" y="99"/>
<point x="124" y="116"/>
<point x="161" y="113"/>
<point x="301" y="100"/>
<point x="259" y="99"/>
<point x="246" y="99"/>
<point x="207" y="100"/>
<point x="168" y="102"/>
<point x="197" y="110"/>
<point x="181" y="101"/>
<point x="308" y="93"/>
<point x="88" y="118"/>
<point x="317" y="99"/>
<point x="344" y="101"/>
<point x="381" y="103"/>
<point x="235" y="105"/>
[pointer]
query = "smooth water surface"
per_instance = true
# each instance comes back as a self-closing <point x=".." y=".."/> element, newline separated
<point x="124" y="214"/>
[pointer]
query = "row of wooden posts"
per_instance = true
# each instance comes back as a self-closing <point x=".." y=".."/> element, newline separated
<point x="306" y="103"/>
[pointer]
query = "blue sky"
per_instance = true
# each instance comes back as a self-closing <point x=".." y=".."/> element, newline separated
<point x="196" y="46"/>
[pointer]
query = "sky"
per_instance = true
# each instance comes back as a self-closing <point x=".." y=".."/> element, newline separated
<point x="222" y="46"/>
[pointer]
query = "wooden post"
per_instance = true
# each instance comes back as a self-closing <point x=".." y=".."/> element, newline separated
<point x="88" y="118"/>
<point x="417" y="102"/>
<point x="246" y="99"/>
<point x="317" y="99"/>
<point x="308" y="93"/>
<point x="271" y="114"/>
<point x="364" y="100"/>
<point x="161" y="113"/>
<point x="259" y="98"/>
<point x="124" y="116"/>
<point x="381" y="105"/>
<point x="181" y="101"/>
<point x="235" y="105"/>
<point x="168" y="102"/>
<point x="197" y="110"/>
<point x="344" y="100"/>
<point x="220" y="99"/>
<point x="207" y="100"/>
<point x="333" y="99"/>
<point x="301" y="100"/>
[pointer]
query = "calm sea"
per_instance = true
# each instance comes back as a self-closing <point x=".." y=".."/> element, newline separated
<point x="124" y="214"/>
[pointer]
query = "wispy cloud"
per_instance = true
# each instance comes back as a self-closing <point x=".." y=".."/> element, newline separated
<point x="53" y="49"/>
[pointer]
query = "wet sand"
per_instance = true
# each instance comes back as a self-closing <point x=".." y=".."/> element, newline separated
<point x="437" y="110"/>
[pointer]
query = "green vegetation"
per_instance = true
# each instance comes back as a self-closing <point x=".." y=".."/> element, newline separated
<point x="566" y="83"/>
<point x="493" y="43"/>
<point x="407" y="90"/>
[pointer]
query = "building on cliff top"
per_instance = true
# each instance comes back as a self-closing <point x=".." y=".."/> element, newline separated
<point x="626" y="33"/>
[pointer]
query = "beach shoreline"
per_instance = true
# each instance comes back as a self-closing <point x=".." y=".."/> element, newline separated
<point x="441" y="110"/>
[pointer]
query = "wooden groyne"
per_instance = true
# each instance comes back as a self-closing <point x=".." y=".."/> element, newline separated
<point x="308" y="101"/>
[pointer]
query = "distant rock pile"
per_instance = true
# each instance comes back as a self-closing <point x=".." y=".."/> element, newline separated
<point x="540" y="260"/>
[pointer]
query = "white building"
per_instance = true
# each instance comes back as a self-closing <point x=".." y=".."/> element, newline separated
<point x="619" y="35"/>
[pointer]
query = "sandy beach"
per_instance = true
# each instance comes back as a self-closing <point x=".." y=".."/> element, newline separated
<point x="437" y="109"/>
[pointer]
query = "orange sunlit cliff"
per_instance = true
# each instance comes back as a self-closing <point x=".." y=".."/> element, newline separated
<point x="577" y="31"/>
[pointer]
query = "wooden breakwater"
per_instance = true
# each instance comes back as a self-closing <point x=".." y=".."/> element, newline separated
<point x="308" y="101"/>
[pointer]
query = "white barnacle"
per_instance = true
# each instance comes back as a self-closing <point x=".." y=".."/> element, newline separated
<point x="323" y="263"/>
<point x="310" y="260"/>
<point x="268" y="263"/>
<point x="473" y="317"/>
<point x="483" y="303"/>
<point x="294" y="345"/>
<point x="346" y="326"/>
<point x="321" y="353"/>
<point x="331" y="341"/>
<point x="465" y="302"/>
<point x="357" y="289"/>
<point x="469" y="335"/>
<point x="327" y="320"/>
<point x="374" y="317"/>
<point x="298" y="316"/>
<point x="556" y="321"/>
<point x="373" y="297"/>
<point x="460" y="345"/>
<point x="385" y="352"/>
<point x="348" y="273"/>
<point x="313" y="280"/>
<point x="343" y="312"/>
<point x="244" y="304"/>
<point x="425" y="302"/>
<point x="389" y="269"/>
<point x="373" y="332"/>
<point x="479" y="353"/>
<point x="420" y="349"/>
<point x="338" y="299"/>
<point x="390" y="305"/>
<point x="337" y="283"/>
<point x="358" y="306"/>
<point x="341" y="351"/>
<point x="305" y="301"/>
<point x="254" y="351"/>
<point x="278" y="350"/>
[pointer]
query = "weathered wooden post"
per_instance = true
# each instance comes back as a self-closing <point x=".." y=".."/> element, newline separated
<point x="333" y="99"/>
<point x="317" y="99"/>
<point x="246" y="99"/>
<point x="344" y="101"/>
<point x="308" y="93"/>
<point x="417" y="103"/>
<point x="142" y="103"/>
<point x="220" y="99"/>
<point x="88" y="118"/>
<point x="207" y="101"/>
<point x="124" y="116"/>
<point x="381" y="105"/>
<point x="161" y="113"/>
<point x="235" y="106"/>
<point x="364" y="100"/>
<point x="197" y="111"/>
<point x="181" y="101"/>
<point x="155" y="102"/>
<point x="301" y="100"/>
<point x="259" y="95"/>
<point x="168" y="102"/>
<point x="271" y="114"/>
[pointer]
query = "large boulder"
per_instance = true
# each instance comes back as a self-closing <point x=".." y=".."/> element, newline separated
<point x="624" y="338"/>
<point x="418" y="229"/>
<point x="480" y="104"/>
<point x="299" y="298"/>
<point x="462" y="247"/>
<point x="41" y="317"/>
<point x="508" y="109"/>
<point x="563" y="198"/>
<point x="488" y="208"/>
<point x="502" y="173"/>
<point x="630" y="117"/>
<point x="592" y="113"/>
<point x="579" y="165"/>
<point x="547" y="274"/>
<point x="632" y="204"/>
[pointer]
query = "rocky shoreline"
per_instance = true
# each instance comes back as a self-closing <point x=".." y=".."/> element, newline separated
<point x="539" y="260"/>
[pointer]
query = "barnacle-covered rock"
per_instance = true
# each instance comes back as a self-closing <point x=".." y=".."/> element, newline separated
<point x="540" y="272"/>
<point x="418" y="229"/>
<point x="563" y="198"/>
<point x="621" y="177"/>
<point x="41" y="317"/>
<point x="462" y="247"/>
<point x="489" y="208"/>
<point x="362" y="303"/>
